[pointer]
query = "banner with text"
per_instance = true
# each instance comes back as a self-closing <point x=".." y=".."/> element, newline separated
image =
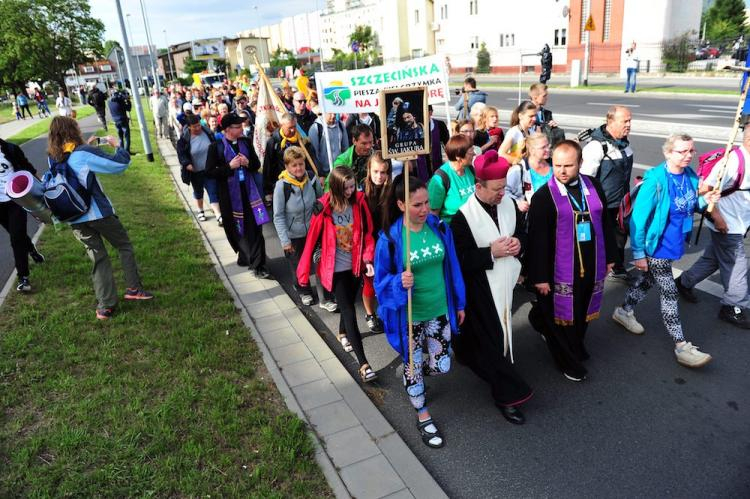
<point x="356" y="91"/>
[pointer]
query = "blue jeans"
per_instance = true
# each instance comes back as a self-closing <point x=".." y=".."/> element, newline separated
<point x="630" y="81"/>
<point x="123" y="131"/>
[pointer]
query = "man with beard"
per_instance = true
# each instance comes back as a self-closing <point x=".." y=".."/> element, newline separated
<point x="489" y="235"/>
<point x="571" y="249"/>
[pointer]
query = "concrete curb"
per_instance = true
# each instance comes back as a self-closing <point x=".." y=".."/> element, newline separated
<point x="360" y="453"/>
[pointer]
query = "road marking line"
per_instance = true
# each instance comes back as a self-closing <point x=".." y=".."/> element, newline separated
<point x="718" y="106"/>
<point x="612" y="104"/>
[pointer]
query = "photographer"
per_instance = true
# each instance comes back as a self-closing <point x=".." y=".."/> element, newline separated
<point x="66" y="145"/>
<point x="469" y="96"/>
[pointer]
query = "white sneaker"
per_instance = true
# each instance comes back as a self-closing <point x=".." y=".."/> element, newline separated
<point x="328" y="305"/>
<point x="627" y="320"/>
<point x="688" y="355"/>
<point x="306" y="300"/>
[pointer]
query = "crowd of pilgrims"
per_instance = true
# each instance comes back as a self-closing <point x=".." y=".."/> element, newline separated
<point x="490" y="211"/>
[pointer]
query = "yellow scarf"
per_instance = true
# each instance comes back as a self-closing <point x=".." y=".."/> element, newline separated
<point x="68" y="147"/>
<point x="285" y="175"/>
<point x="292" y="140"/>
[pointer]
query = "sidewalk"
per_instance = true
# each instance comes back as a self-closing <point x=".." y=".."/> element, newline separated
<point x="11" y="128"/>
<point x="360" y="453"/>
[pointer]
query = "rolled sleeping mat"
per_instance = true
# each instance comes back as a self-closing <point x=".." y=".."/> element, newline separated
<point x="27" y="191"/>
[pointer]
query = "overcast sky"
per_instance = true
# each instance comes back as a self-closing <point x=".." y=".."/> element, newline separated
<point x="187" y="20"/>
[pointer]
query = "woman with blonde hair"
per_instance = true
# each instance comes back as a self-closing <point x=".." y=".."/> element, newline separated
<point x="531" y="173"/>
<point x="65" y="144"/>
<point x="488" y="134"/>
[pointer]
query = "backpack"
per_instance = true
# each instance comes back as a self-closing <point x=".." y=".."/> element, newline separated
<point x="288" y="187"/>
<point x="319" y="128"/>
<point x="707" y="162"/>
<point x="584" y="137"/>
<point x="625" y="210"/>
<point x="63" y="194"/>
<point x="447" y="180"/>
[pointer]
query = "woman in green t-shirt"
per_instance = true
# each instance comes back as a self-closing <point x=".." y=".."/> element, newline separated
<point x="453" y="183"/>
<point x="437" y="289"/>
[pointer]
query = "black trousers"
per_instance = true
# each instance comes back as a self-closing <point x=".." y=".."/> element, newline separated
<point x="252" y="244"/>
<point x="13" y="219"/>
<point x="620" y="239"/>
<point x="298" y="244"/>
<point x="345" y="286"/>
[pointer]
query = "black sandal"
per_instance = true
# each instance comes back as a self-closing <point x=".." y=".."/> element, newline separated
<point x="427" y="436"/>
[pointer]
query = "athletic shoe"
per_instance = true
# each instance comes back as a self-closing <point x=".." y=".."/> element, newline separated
<point x="35" y="255"/>
<point x="328" y="305"/>
<point x="734" y="316"/>
<point x="688" y="355"/>
<point x="104" y="314"/>
<point x="307" y="300"/>
<point x="571" y="377"/>
<point x="220" y="221"/>
<point x="374" y="323"/>
<point x="685" y="292"/>
<point x="616" y="275"/>
<point x="24" y="286"/>
<point x="137" y="294"/>
<point x="261" y="273"/>
<point x="627" y="320"/>
<point x="201" y="216"/>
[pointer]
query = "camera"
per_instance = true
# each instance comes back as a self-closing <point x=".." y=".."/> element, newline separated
<point x="102" y="141"/>
<point x="459" y="91"/>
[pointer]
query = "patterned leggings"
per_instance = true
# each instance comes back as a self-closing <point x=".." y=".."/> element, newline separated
<point x="659" y="272"/>
<point x="436" y="335"/>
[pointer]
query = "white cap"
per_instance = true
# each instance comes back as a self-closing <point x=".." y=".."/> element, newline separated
<point x="187" y="107"/>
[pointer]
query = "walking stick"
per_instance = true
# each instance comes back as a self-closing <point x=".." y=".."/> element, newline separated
<point x="407" y="174"/>
<point x="733" y="134"/>
<point x="280" y="105"/>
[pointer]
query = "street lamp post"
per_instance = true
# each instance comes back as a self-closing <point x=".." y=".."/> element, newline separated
<point x="137" y="98"/>
<point x="169" y="57"/>
<point x="150" y="47"/>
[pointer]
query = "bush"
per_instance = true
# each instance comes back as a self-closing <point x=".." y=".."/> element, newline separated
<point x="677" y="53"/>
<point x="483" y="59"/>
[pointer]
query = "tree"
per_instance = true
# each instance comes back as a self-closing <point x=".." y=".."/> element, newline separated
<point x="281" y="58"/>
<point x="367" y="40"/>
<point x="42" y="39"/>
<point x="483" y="59"/>
<point x="108" y="46"/>
<point x="725" y="19"/>
<point x="194" y="66"/>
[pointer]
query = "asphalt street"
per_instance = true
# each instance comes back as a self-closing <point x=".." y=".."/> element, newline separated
<point x="640" y="426"/>
<point x="36" y="152"/>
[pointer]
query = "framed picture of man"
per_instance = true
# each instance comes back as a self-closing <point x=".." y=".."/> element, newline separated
<point x="404" y="112"/>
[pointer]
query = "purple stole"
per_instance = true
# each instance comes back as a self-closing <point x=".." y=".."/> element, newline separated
<point x="235" y="194"/>
<point x="423" y="169"/>
<point x="565" y="248"/>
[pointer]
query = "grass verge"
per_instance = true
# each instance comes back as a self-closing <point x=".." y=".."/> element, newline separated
<point x="616" y="88"/>
<point x="42" y="126"/>
<point x="170" y="398"/>
<point x="7" y="114"/>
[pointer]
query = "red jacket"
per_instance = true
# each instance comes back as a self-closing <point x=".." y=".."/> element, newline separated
<point x="322" y="227"/>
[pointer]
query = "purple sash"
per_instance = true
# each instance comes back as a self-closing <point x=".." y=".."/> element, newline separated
<point x="565" y="248"/>
<point x="235" y="195"/>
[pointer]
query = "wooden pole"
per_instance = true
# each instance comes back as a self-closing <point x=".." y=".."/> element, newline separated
<point x="280" y="104"/>
<point x="407" y="174"/>
<point x="732" y="137"/>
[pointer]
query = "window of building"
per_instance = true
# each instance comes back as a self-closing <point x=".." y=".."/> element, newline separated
<point x="585" y="10"/>
<point x="88" y="69"/>
<point x="561" y="37"/>
<point x="607" y="19"/>
<point x="444" y="11"/>
<point x="416" y="53"/>
<point x="473" y="7"/>
<point x="416" y="16"/>
<point x="474" y="42"/>
<point x="502" y="40"/>
<point x="105" y="67"/>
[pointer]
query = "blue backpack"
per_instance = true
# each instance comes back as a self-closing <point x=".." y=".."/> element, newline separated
<point x="63" y="194"/>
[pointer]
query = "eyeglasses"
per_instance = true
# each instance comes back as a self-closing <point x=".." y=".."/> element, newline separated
<point x="466" y="132"/>
<point x="685" y="152"/>
<point x="300" y="100"/>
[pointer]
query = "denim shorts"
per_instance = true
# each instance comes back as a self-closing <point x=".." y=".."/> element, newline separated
<point x="199" y="181"/>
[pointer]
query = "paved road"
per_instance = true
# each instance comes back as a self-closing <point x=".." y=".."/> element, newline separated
<point x="645" y="81"/>
<point x="36" y="151"/>
<point x="696" y="110"/>
<point x="641" y="425"/>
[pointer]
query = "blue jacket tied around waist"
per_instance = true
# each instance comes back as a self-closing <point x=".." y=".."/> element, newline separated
<point x="391" y="294"/>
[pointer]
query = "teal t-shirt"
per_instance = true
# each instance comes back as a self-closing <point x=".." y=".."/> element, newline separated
<point x="462" y="187"/>
<point x="427" y="255"/>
